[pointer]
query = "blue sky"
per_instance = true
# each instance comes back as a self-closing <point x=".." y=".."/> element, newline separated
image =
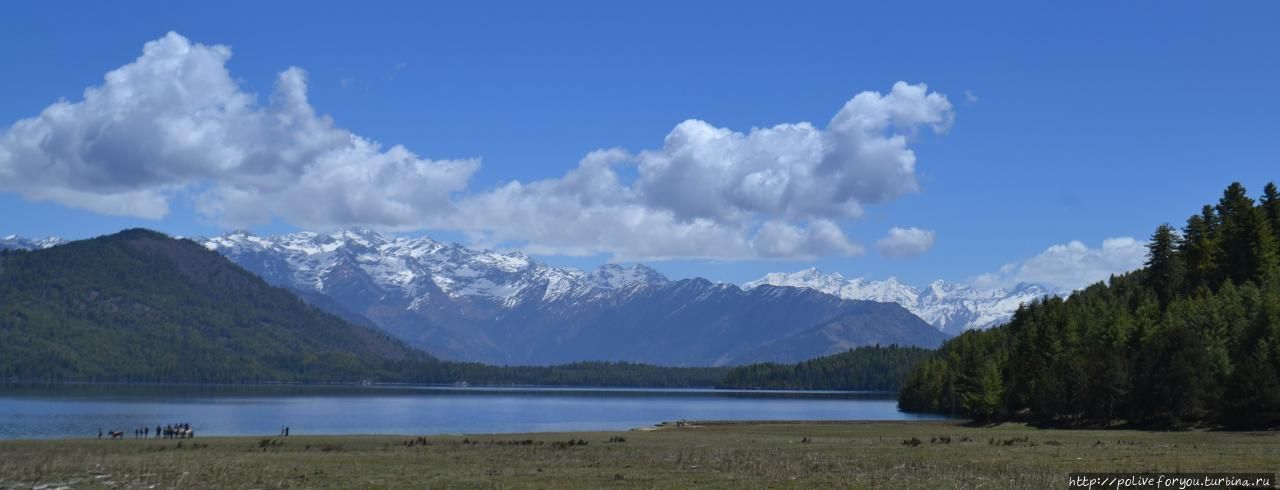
<point x="1068" y="122"/>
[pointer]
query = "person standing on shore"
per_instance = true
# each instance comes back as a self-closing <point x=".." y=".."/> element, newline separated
<point x="99" y="432"/>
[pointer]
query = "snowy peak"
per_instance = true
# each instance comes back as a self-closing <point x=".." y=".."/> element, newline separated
<point x="20" y="243"/>
<point x="811" y="278"/>
<point x="614" y="276"/>
<point x="887" y="291"/>
<point x="414" y="267"/>
<point x="949" y="307"/>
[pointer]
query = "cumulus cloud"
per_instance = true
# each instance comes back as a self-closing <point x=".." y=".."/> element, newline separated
<point x="794" y="170"/>
<point x="174" y="124"/>
<point x="904" y="243"/>
<point x="1070" y="266"/>
<point x="777" y="192"/>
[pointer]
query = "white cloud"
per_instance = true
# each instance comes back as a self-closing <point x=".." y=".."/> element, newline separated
<point x="711" y="192"/>
<point x="1071" y="266"/>
<point x="174" y="124"/>
<point x="777" y="239"/>
<point x="794" y="171"/>
<point x="906" y="242"/>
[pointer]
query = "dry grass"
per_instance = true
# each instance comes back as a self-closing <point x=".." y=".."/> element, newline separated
<point x="737" y="455"/>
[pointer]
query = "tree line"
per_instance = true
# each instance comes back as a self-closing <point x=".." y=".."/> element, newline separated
<point x="871" y="368"/>
<point x="1191" y="339"/>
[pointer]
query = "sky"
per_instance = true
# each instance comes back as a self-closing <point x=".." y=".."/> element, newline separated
<point x="988" y="143"/>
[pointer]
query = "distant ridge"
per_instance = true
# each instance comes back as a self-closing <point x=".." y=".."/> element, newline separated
<point x="950" y="307"/>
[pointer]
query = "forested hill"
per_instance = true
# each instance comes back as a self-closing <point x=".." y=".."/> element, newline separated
<point x="1192" y="339"/>
<point x="863" y="368"/>
<point x="140" y="306"/>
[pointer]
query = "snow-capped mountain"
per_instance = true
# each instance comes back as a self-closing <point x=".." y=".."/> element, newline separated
<point x="481" y="305"/>
<point x="20" y="243"/>
<point x="507" y="308"/>
<point x="452" y="300"/>
<point x="950" y="307"/>
<point x="415" y="267"/>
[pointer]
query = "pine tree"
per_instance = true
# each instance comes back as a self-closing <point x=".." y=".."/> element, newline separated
<point x="1235" y="208"/>
<point x="1247" y="244"/>
<point x="1199" y="251"/>
<point x="981" y="388"/>
<point x="1164" y="266"/>
<point x="1271" y="209"/>
<point x="1253" y="392"/>
<point x="1175" y="379"/>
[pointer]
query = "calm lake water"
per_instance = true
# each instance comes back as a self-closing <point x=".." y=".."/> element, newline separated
<point x="38" y="412"/>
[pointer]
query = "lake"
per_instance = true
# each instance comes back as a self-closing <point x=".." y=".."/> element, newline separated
<point x="58" y="411"/>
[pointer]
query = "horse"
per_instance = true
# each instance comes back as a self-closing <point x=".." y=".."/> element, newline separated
<point x="116" y="434"/>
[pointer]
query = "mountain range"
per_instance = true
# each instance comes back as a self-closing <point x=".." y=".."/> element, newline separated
<point x="949" y="307"/>
<point x="462" y="303"/>
<point x="507" y="308"/>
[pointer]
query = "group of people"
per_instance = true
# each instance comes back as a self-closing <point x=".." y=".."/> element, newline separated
<point x="171" y="431"/>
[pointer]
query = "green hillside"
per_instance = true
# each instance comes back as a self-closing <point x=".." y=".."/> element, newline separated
<point x="1192" y="339"/>
<point x="140" y="306"/>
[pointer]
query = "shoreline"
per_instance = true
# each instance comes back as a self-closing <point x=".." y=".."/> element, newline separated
<point x="407" y="385"/>
<point x="661" y="426"/>
<point x="674" y="425"/>
<point x="726" y="454"/>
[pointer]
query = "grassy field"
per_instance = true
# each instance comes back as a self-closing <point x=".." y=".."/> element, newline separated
<point x="731" y="455"/>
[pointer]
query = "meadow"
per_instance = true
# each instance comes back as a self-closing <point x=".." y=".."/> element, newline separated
<point x="704" y="454"/>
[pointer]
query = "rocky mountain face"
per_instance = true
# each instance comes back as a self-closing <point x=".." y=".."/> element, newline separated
<point x="951" y="308"/>
<point x="506" y="308"/>
<point x="697" y="322"/>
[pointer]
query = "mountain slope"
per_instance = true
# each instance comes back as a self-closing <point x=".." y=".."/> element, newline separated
<point x="691" y="322"/>
<point x="138" y="305"/>
<point x="886" y="326"/>
<point x="506" y="308"/>
<point x="445" y="298"/>
<point x="949" y="307"/>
